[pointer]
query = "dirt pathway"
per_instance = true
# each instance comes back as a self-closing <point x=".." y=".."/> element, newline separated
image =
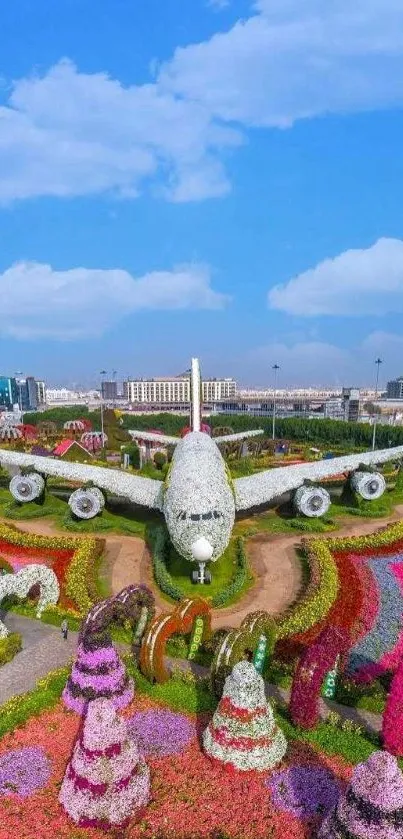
<point x="273" y="558"/>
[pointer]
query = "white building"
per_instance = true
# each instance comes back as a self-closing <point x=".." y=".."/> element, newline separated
<point x="177" y="390"/>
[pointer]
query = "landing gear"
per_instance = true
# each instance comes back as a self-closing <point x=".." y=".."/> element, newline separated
<point x="200" y="576"/>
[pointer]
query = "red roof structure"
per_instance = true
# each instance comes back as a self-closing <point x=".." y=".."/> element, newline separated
<point x="65" y="445"/>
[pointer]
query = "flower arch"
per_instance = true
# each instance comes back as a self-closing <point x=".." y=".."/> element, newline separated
<point x="134" y="603"/>
<point x="238" y="642"/>
<point x="21" y="583"/>
<point x="180" y="620"/>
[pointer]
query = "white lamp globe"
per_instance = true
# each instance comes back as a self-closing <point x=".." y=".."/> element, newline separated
<point x="202" y="551"/>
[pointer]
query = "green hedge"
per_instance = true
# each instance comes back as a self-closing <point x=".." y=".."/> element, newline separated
<point x="160" y="546"/>
<point x="9" y="647"/>
<point x="239" y="579"/>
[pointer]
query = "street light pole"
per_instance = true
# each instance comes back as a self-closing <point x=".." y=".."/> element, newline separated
<point x="102" y="373"/>
<point x="275" y="368"/>
<point x="378" y="363"/>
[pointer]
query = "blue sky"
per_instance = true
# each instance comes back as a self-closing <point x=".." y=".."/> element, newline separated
<point x="213" y="178"/>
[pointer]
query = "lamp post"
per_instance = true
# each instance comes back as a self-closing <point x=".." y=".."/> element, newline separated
<point x="17" y="376"/>
<point x="378" y="363"/>
<point x="102" y="374"/>
<point x="275" y="368"/>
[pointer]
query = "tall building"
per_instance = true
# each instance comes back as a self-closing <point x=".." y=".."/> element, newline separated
<point x="41" y="393"/>
<point x="8" y="393"/>
<point x="27" y="394"/>
<point x="109" y="391"/>
<point x="394" y="389"/>
<point x="177" y="390"/>
<point x="351" y="402"/>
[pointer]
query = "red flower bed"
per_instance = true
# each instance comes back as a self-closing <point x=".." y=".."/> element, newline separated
<point x="191" y="797"/>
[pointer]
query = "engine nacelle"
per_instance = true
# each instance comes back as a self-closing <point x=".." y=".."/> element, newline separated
<point x="25" y="488"/>
<point x="87" y="503"/>
<point x="369" y="485"/>
<point x="312" y="501"/>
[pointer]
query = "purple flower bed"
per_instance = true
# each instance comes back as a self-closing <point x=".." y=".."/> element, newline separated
<point x="304" y="791"/>
<point x="159" y="733"/>
<point x="385" y="633"/>
<point x="23" y="771"/>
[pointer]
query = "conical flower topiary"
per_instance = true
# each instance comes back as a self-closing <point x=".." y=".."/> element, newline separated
<point x="106" y="783"/>
<point x="97" y="672"/>
<point x="243" y="734"/>
<point x="372" y="806"/>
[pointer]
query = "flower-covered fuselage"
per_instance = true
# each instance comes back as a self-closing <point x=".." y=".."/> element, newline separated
<point x="199" y="501"/>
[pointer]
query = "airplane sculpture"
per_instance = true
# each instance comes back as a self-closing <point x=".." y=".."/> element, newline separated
<point x="198" y="499"/>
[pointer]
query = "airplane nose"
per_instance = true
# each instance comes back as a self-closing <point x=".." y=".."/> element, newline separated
<point x="202" y="551"/>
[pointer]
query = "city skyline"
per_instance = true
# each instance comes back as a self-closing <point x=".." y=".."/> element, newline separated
<point x="223" y="180"/>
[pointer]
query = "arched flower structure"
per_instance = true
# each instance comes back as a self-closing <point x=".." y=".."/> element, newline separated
<point x="134" y="603"/>
<point x="21" y="583"/>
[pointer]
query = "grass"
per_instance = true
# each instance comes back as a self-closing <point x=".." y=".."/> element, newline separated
<point x="222" y="573"/>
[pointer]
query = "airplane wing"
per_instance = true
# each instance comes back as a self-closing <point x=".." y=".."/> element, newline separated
<point x="142" y="491"/>
<point x="232" y="438"/>
<point x="150" y="437"/>
<point x="263" y="487"/>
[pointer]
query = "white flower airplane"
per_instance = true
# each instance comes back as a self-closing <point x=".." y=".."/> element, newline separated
<point x="199" y="499"/>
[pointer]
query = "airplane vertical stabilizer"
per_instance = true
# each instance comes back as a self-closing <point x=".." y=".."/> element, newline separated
<point x="195" y="396"/>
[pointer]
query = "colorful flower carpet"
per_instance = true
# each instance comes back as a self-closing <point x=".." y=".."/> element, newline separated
<point x="191" y="797"/>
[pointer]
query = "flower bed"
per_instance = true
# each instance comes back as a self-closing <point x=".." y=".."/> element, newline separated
<point x="191" y="797"/>
<point x="72" y="560"/>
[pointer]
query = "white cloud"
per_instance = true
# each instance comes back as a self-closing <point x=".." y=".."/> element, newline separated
<point x="356" y="283"/>
<point x="39" y="302"/>
<point x="292" y="60"/>
<point x="70" y="133"/>
<point x="105" y="136"/>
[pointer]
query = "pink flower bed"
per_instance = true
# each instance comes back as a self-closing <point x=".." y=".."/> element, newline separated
<point x="190" y="796"/>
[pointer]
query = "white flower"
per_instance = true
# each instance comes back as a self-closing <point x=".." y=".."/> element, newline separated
<point x="21" y="583"/>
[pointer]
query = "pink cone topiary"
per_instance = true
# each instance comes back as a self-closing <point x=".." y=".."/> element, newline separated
<point x="97" y="672"/>
<point x="372" y="806"/>
<point x="106" y="783"/>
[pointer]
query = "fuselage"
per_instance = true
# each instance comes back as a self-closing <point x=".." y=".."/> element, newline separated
<point x="199" y="500"/>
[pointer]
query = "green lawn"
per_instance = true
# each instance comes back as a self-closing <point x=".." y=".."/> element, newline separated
<point x="222" y="573"/>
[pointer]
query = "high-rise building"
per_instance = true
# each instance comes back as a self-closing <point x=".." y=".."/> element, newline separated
<point x="8" y="393"/>
<point x="41" y="393"/>
<point x="351" y="402"/>
<point x="109" y="391"/>
<point x="177" y="390"/>
<point x="27" y="394"/>
<point x="394" y="389"/>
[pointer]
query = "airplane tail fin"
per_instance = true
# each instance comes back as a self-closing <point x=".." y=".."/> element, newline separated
<point x="195" y="396"/>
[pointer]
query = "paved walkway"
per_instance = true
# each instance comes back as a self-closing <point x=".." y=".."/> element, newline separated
<point x="43" y="649"/>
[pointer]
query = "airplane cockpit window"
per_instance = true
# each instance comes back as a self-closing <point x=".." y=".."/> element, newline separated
<point x="214" y="514"/>
<point x="207" y="516"/>
<point x="182" y="515"/>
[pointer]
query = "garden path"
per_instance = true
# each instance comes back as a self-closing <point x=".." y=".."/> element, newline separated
<point x="45" y="650"/>
<point x="277" y="570"/>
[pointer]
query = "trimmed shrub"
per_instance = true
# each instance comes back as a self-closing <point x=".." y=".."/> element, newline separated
<point x="9" y="647"/>
<point x="160" y="546"/>
<point x="239" y="579"/>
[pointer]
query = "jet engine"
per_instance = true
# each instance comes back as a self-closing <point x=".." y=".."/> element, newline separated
<point x="312" y="501"/>
<point x="86" y="503"/>
<point x="369" y="485"/>
<point x="25" y="488"/>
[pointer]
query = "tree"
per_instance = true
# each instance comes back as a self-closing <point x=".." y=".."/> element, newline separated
<point x="160" y="459"/>
<point x="134" y="454"/>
